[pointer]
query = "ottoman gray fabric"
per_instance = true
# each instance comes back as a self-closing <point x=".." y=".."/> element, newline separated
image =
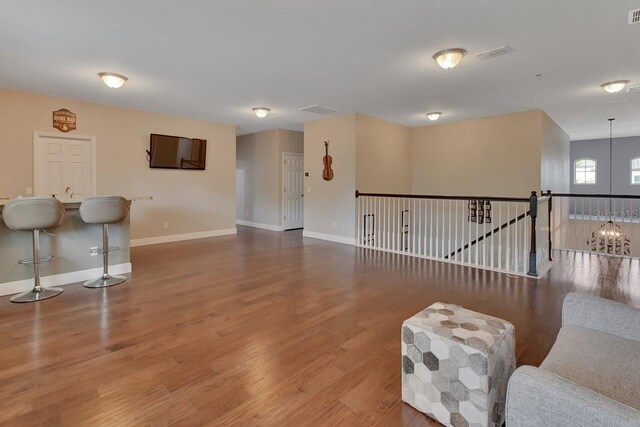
<point x="456" y="364"/>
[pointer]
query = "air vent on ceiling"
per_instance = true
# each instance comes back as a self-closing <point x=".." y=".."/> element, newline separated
<point x="632" y="89"/>
<point x="319" y="109"/>
<point x="493" y="53"/>
<point x="634" y="16"/>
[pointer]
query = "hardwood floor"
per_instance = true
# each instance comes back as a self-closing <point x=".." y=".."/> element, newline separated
<point x="260" y="329"/>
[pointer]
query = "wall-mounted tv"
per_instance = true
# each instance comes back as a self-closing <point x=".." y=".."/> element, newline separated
<point x="176" y="152"/>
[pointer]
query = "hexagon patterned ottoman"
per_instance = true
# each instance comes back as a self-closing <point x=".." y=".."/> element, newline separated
<point x="456" y="364"/>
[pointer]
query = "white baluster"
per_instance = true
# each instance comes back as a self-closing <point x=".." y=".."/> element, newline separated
<point x="437" y="228"/>
<point x="465" y="209"/>
<point x="379" y="223"/>
<point x="582" y="224"/>
<point x="526" y="226"/>
<point x="500" y="235"/>
<point x="413" y="226"/>
<point x="484" y="232"/>
<point x="385" y="223"/>
<point x="455" y="234"/>
<point x="470" y="224"/>
<point x="431" y="227"/>
<point x="420" y="247"/>
<point x="492" y="227"/>
<point x="365" y="220"/>
<point x="516" y="243"/>
<point x="476" y="247"/>
<point x="426" y="229"/>
<point x="508" y="242"/>
<point x="360" y="220"/>
<point x="448" y="231"/>
<point x="393" y="224"/>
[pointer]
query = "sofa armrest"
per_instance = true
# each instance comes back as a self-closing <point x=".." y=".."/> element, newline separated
<point x="537" y="398"/>
<point x="599" y="314"/>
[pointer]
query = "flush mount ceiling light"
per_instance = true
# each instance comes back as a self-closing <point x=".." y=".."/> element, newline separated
<point x="261" y="112"/>
<point x="113" y="80"/>
<point x="449" y="58"/>
<point x="616" y="86"/>
<point x="434" y="116"/>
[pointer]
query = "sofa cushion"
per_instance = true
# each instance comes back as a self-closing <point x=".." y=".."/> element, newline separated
<point x="604" y="363"/>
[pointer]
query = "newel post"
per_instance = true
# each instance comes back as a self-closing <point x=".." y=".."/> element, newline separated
<point x="533" y="213"/>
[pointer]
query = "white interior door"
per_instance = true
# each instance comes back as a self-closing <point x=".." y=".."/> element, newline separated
<point x="61" y="162"/>
<point x="292" y="185"/>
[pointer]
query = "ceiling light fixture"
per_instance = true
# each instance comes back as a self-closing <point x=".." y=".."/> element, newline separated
<point x="113" y="80"/>
<point x="434" y="116"/>
<point x="614" y="87"/>
<point x="449" y="58"/>
<point x="261" y="112"/>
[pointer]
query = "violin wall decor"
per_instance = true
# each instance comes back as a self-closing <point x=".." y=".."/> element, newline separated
<point x="327" y="172"/>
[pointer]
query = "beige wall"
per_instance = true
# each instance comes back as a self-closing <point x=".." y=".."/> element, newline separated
<point x="383" y="156"/>
<point x="509" y="155"/>
<point x="369" y="154"/>
<point x="493" y="156"/>
<point x="291" y="141"/>
<point x="329" y="206"/>
<point x="555" y="162"/>
<point x="259" y="174"/>
<point x="258" y="186"/>
<point x="189" y="201"/>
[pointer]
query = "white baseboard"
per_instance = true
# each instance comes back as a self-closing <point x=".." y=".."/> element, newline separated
<point x="330" y="237"/>
<point x="18" y="286"/>
<point x="180" y="237"/>
<point x="260" y="225"/>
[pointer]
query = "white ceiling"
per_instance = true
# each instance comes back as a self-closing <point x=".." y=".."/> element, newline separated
<point x="216" y="59"/>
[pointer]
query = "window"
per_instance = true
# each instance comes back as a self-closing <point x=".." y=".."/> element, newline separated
<point x="585" y="171"/>
<point x="635" y="170"/>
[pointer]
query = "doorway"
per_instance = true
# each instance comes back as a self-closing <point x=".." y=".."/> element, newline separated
<point x="64" y="164"/>
<point x="292" y="191"/>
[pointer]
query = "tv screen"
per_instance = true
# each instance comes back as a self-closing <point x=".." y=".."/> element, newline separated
<point x="175" y="152"/>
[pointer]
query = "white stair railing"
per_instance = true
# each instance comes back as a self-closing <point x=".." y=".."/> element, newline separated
<point x="599" y="224"/>
<point x="493" y="233"/>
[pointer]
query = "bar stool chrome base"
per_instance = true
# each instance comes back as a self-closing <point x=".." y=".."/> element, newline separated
<point x="105" y="281"/>
<point x="104" y="210"/>
<point x="36" y="295"/>
<point x="42" y="259"/>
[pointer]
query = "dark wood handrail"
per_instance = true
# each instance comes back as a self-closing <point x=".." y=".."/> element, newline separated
<point x="598" y="196"/>
<point x="488" y="234"/>
<point x="439" y="197"/>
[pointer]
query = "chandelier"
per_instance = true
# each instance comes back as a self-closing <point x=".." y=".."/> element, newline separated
<point x="609" y="238"/>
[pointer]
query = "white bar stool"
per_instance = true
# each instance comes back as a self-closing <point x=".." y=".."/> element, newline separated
<point x="104" y="210"/>
<point x="34" y="214"/>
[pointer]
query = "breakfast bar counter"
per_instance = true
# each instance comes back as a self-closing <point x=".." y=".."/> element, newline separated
<point x="70" y="244"/>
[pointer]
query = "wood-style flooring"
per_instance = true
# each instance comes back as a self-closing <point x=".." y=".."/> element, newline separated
<point x="260" y="329"/>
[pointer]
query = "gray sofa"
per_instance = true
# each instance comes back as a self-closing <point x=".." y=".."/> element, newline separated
<point x="591" y="377"/>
